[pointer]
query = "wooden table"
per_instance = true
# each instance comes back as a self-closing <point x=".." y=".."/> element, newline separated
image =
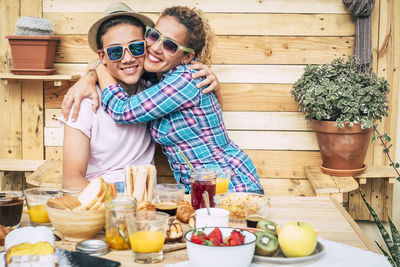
<point x="327" y="216"/>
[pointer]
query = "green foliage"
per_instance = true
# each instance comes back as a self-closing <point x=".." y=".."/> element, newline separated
<point x="392" y="243"/>
<point x="340" y="92"/>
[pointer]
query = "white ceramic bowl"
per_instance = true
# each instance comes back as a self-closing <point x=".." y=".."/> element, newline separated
<point x="210" y="256"/>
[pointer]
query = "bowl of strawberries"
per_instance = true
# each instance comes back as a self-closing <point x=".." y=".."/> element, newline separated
<point x="220" y="246"/>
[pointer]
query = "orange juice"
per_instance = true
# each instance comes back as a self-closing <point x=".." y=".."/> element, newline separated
<point x="222" y="185"/>
<point x="146" y="241"/>
<point x="38" y="214"/>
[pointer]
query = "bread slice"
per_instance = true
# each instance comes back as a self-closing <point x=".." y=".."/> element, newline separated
<point x="150" y="181"/>
<point x="92" y="192"/>
<point x="140" y="176"/>
<point x="113" y="190"/>
<point x="99" y="202"/>
<point x="71" y="202"/>
<point x="129" y="180"/>
<point x="57" y="203"/>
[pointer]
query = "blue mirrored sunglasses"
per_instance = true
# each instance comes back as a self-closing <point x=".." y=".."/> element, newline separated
<point x="136" y="49"/>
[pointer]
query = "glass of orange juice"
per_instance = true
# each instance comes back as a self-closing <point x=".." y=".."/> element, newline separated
<point x="147" y="235"/>
<point x="36" y="199"/>
<point x="223" y="180"/>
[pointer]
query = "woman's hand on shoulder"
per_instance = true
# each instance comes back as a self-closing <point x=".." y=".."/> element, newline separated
<point x="84" y="88"/>
<point x="211" y="80"/>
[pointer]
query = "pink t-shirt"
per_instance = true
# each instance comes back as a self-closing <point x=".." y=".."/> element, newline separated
<point x="113" y="146"/>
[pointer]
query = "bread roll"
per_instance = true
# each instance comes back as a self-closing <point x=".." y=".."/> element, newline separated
<point x="145" y="206"/>
<point x="184" y="211"/>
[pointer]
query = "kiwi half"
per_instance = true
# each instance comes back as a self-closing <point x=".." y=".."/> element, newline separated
<point x="266" y="243"/>
<point x="267" y="226"/>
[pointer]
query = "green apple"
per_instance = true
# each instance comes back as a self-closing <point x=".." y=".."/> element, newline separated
<point x="297" y="239"/>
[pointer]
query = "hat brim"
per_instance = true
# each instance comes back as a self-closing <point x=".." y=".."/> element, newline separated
<point x="92" y="34"/>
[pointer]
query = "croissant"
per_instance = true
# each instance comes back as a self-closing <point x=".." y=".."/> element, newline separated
<point x="145" y="206"/>
<point x="3" y="232"/>
<point x="184" y="211"/>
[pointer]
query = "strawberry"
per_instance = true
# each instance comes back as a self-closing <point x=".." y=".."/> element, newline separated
<point x="236" y="238"/>
<point x="238" y="235"/>
<point x="216" y="237"/>
<point x="199" y="237"/>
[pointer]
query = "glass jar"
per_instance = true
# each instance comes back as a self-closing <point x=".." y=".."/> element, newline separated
<point x="117" y="213"/>
<point x="202" y="180"/>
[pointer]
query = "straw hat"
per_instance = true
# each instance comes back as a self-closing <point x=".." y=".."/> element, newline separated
<point x="115" y="10"/>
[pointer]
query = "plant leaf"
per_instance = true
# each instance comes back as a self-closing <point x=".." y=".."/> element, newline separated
<point x="385" y="235"/>
<point x="387" y="255"/>
<point x="396" y="238"/>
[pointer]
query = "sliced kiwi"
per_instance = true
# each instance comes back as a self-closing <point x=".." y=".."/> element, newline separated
<point x="267" y="226"/>
<point x="266" y="243"/>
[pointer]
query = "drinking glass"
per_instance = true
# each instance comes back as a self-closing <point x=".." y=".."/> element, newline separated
<point x="11" y="204"/>
<point x="147" y="235"/>
<point x="202" y="180"/>
<point x="223" y="180"/>
<point x="255" y="212"/>
<point x="167" y="196"/>
<point x="36" y="199"/>
<point x="117" y="213"/>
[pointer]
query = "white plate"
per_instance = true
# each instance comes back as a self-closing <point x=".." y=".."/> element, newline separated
<point x="281" y="259"/>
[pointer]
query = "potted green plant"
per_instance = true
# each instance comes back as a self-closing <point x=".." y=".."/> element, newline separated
<point x="33" y="46"/>
<point x="343" y="104"/>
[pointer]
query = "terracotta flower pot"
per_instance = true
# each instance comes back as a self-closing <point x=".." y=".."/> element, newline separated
<point x="343" y="151"/>
<point x="33" y="54"/>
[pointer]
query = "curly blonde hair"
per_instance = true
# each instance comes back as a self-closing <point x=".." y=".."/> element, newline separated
<point x="200" y="36"/>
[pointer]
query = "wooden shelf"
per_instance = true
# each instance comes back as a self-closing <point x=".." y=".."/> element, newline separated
<point x="7" y="78"/>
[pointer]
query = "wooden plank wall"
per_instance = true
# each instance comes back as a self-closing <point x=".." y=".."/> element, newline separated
<point x="262" y="48"/>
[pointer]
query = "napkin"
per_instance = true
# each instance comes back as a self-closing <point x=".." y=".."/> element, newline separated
<point x="336" y="254"/>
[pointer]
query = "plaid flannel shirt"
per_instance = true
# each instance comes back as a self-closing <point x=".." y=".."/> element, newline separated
<point x="182" y="117"/>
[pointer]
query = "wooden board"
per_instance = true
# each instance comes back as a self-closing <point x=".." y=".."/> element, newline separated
<point x="287" y="187"/>
<point x="49" y="174"/>
<point x="320" y="182"/>
<point x="20" y="165"/>
<point x="253" y="97"/>
<point x="269" y="164"/>
<point x="357" y="209"/>
<point x="378" y="172"/>
<point x="32" y="120"/>
<point x="53" y="153"/>
<point x="274" y="140"/>
<point x="271" y="6"/>
<point x="238" y="49"/>
<point x="10" y="96"/>
<point x="266" y="121"/>
<point x="231" y="23"/>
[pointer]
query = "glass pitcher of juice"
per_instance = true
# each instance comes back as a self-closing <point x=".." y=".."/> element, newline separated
<point x="203" y="180"/>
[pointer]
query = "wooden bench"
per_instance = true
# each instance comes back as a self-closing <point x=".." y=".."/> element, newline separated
<point x="344" y="189"/>
<point x="11" y="170"/>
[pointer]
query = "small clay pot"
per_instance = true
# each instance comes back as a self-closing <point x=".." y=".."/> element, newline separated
<point x="343" y="151"/>
<point x="33" y="54"/>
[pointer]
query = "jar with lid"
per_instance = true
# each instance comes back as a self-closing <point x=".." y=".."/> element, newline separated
<point x="117" y="213"/>
<point x="200" y="181"/>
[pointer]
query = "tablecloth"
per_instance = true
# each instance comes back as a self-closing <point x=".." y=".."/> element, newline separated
<point x="335" y="254"/>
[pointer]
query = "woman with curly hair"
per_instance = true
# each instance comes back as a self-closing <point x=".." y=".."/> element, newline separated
<point x="181" y="117"/>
